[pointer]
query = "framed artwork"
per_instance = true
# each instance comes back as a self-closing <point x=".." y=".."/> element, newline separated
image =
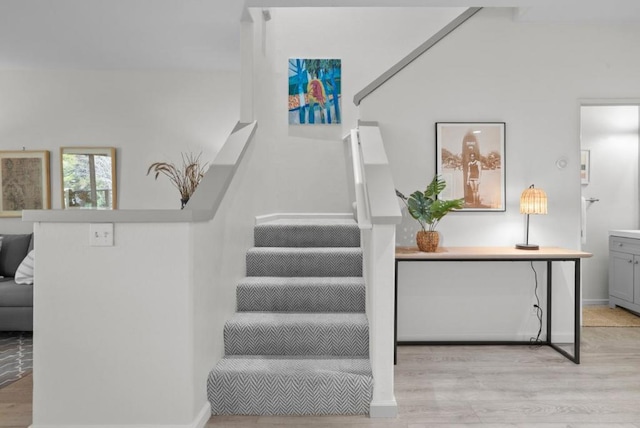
<point x="315" y="87"/>
<point x="88" y="177"/>
<point x="24" y="180"/>
<point x="585" y="167"/>
<point x="470" y="158"/>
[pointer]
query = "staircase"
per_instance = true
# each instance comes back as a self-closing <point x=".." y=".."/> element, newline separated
<point x="299" y="341"/>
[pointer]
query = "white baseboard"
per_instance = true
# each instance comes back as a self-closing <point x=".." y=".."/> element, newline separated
<point x="203" y="417"/>
<point x="595" y="302"/>
<point x="199" y="422"/>
<point x="383" y="409"/>
<point x="261" y="219"/>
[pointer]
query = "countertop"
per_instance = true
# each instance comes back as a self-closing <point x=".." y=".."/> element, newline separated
<point x="634" y="234"/>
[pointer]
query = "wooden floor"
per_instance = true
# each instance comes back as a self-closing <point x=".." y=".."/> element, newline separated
<point x="15" y="403"/>
<point x="501" y="387"/>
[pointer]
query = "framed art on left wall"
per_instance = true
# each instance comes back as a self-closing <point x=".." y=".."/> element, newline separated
<point x="24" y="180"/>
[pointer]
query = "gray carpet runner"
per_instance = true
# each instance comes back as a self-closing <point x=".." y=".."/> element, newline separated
<point x="296" y="294"/>
<point x="299" y="341"/>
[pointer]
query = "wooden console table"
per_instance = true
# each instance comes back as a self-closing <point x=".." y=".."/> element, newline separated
<point x="499" y="254"/>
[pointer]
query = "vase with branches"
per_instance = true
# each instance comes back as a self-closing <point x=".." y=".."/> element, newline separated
<point x="185" y="178"/>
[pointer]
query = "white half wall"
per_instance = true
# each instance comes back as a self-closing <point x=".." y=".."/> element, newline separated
<point x="130" y="332"/>
<point x="114" y="346"/>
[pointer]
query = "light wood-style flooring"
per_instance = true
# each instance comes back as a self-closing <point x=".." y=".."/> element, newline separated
<point x="474" y="386"/>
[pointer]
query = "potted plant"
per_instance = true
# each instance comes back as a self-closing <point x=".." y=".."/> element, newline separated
<point x="428" y="210"/>
<point x="185" y="178"/>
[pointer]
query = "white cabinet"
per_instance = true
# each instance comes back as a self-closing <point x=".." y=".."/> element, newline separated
<point x="624" y="272"/>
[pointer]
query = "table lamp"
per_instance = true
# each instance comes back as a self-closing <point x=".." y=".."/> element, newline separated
<point x="532" y="201"/>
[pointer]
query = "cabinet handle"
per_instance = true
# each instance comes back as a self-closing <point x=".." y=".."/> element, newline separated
<point x="629" y="261"/>
<point x="636" y="262"/>
<point x="619" y="244"/>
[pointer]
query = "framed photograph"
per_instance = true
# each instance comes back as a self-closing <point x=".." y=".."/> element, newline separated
<point x="470" y="158"/>
<point x="585" y="168"/>
<point x="88" y="177"/>
<point x="315" y="87"/>
<point x="24" y="180"/>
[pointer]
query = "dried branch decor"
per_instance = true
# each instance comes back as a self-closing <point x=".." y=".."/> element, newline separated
<point x="185" y="178"/>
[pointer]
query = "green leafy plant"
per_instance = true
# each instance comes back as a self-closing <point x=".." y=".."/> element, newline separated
<point x="426" y="208"/>
<point x="185" y="178"/>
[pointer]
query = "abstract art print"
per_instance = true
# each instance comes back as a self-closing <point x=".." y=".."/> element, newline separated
<point x="24" y="180"/>
<point x="314" y="91"/>
<point x="470" y="158"/>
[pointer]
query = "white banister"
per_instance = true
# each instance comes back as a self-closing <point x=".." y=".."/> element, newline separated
<point x="358" y="193"/>
<point x="377" y="212"/>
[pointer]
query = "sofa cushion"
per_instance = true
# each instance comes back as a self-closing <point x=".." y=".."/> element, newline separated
<point x="24" y="274"/>
<point x="14" y="294"/>
<point x="14" y="250"/>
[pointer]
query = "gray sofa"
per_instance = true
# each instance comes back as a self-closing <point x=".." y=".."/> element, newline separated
<point x="16" y="300"/>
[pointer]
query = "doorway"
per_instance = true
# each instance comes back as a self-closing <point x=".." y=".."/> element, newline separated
<point x="610" y="198"/>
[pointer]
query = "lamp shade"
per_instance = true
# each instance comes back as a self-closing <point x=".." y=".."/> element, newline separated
<point x="533" y="201"/>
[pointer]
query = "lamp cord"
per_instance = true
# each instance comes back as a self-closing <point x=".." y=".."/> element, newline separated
<point x="535" y="341"/>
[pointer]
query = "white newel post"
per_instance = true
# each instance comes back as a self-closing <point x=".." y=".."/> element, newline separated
<point x="377" y="212"/>
<point x="379" y="262"/>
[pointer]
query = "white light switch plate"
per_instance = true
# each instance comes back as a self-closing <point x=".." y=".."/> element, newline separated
<point x="101" y="234"/>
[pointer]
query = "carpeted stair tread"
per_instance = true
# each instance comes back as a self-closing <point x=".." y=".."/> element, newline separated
<point x="299" y="341"/>
<point x="272" y="333"/>
<point x="314" y="261"/>
<point x="301" y="294"/>
<point x="307" y="233"/>
<point x="266" y="385"/>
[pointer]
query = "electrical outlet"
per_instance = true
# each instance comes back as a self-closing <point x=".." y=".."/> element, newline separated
<point x="101" y="234"/>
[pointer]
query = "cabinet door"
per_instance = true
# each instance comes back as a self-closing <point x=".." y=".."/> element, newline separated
<point x="636" y="277"/>
<point x="621" y="269"/>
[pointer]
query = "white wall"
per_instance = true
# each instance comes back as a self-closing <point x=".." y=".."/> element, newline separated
<point x="529" y="75"/>
<point x="307" y="162"/>
<point x="614" y="181"/>
<point x="495" y="69"/>
<point x="148" y="116"/>
<point x="218" y="263"/>
<point x="140" y="296"/>
<point x="156" y="303"/>
<point x="113" y="327"/>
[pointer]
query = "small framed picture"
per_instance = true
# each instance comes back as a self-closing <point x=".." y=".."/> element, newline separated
<point x="470" y="158"/>
<point x="24" y="180"/>
<point x="585" y="168"/>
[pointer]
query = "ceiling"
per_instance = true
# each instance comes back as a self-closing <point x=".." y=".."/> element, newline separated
<point x="120" y="34"/>
<point x="198" y="34"/>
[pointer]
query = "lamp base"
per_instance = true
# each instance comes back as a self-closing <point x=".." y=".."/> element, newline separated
<point x="527" y="247"/>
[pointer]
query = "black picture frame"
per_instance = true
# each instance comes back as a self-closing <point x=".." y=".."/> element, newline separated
<point x="470" y="157"/>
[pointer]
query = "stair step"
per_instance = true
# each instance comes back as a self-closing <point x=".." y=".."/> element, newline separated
<point x="286" y="261"/>
<point x="307" y="233"/>
<point x="265" y="385"/>
<point x="295" y="294"/>
<point x="272" y="333"/>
